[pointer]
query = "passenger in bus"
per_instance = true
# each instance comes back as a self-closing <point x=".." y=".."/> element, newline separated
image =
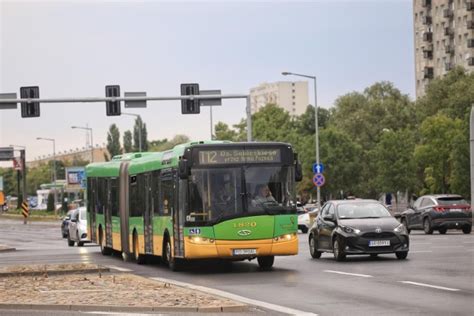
<point x="263" y="195"/>
<point x="223" y="200"/>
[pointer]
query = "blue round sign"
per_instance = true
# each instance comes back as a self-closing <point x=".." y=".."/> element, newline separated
<point x="319" y="179"/>
<point x="318" y="168"/>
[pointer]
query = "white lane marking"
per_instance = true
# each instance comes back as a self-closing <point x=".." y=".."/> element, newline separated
<point x="431" y="286"/>
<point x="419" y="251"/>
<point x="119" y="313"/>
<point x="346" y="273"/>
<point x="119" y="269"/>
<point x="270" y="306"/>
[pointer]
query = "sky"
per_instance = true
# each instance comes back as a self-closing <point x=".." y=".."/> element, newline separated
<point x="75" y="48"/>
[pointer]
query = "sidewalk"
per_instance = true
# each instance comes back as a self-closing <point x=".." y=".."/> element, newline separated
<point x="87" y="287"/>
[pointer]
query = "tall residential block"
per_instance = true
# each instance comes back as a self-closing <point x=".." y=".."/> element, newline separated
<point x="444" y="38"/>
<point x="291" y="96"/>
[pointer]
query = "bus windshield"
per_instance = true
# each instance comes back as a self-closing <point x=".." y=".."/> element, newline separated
<point x="219" y="193"/>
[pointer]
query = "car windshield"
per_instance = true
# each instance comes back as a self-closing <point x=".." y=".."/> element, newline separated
<point x="454" y="200"/>
<point x="362" y="210"/>
<point x="217" y="193"/>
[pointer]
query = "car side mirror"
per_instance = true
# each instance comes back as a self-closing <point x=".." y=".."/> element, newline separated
<point x="74" y="220"/>
<point x="183" y="169"/>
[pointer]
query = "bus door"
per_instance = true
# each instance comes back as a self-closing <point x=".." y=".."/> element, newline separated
<point x="108" y="213"/>
<point x="124" y="207"/>
<point x="92" y="201"/>
<point x="148" y="215"/>
<point x="169" y="191"/>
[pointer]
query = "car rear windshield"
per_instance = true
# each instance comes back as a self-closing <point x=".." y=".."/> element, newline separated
<point x="455" y="200"/>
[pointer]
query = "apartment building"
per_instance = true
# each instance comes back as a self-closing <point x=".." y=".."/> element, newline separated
<point x="291" y="96"/>
<point x="444" y="38"/>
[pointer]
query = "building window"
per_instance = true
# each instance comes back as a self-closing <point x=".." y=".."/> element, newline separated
<point x="293" y="91"/>
<point x="293" y="84"/>
<point x="293" y="97"/>
<point x="294" y="103"/>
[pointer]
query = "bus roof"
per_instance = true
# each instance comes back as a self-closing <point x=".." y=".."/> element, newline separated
<point x="143" y="162"/>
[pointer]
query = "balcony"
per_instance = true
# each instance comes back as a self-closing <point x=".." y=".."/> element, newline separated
<point x="425" y="3"/>
<point x="448" y="66"/>
<point x="448" y="13"/>
<point x="449" y="49"/>
<point x="449" y="32"/>
<point x="470" y="24"/>
<point x="428" y="73"/>
<point x="428" y="36"/>
<point x="470" y="61"/>
<point x="427" y="20"/>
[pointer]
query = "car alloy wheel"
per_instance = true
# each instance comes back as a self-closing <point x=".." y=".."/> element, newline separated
<point x="313" y="248"/>
<point x="467" y="229"/>
<point x="443" y="231"/>
<point x="339" y="254"/>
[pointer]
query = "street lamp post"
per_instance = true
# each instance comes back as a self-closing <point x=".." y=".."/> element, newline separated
<point x="92" y="139"/>
<point x="54" y="167"/>
<point x="139" y="129"/>
<point x="285" y="73"/>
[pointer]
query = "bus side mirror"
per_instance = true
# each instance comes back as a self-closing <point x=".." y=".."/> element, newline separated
<point x="183" y="169"/>
<point x="298" y="172"/>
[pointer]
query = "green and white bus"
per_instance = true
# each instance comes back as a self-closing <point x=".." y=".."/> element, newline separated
<point x="196" y="201"/>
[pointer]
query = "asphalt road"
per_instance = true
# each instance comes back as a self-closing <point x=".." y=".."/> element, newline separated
<point x="436" y="279"/>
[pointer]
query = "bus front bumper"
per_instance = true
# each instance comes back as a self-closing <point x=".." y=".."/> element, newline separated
<point x="240" y="249"/>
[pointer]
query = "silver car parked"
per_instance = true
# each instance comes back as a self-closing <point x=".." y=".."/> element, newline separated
<point x="78" y="228"/>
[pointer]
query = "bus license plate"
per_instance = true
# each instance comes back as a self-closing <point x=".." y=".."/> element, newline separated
<point x="379" y="243"/>
<point x="242" y="252"/>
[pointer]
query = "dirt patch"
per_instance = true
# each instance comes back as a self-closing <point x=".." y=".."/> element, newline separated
<point x="104" y="289"/>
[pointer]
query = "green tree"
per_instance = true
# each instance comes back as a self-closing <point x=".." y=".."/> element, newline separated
<point x="127" y="142"/>
<point x="165" y="144"/>
<point x="136" y="135"/>
<point x="113" y="141"/>
<point x="434" y="154"/>
<point x="223" y="132"/>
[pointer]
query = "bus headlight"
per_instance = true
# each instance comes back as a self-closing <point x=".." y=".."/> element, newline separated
<point x="285" y="237"/>
<point x="200" y="240"/>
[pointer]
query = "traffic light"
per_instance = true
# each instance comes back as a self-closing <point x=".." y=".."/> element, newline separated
<point x="190" y="106"/>
<point x="30" y="109"/>
<point x="112" y="107"/>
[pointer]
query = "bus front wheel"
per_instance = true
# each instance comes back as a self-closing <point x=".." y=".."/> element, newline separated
<point x="140" y="259"/>
<point x="106" y="251"/>
<point x="173" y="263"/>
<point x="266" y="263"/>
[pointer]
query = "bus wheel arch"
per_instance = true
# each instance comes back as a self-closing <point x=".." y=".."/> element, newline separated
<point x="106" y="251"/>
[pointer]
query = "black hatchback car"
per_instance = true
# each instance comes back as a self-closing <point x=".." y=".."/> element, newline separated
<point x="355" y="227"/>
<point x="438" y="212"/>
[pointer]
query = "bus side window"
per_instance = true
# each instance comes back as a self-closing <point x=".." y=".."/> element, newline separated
<point x="167" y="191"/>
<point x="155" y="192"/>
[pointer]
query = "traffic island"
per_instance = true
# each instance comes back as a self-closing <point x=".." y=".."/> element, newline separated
<point x="103" y="291"/>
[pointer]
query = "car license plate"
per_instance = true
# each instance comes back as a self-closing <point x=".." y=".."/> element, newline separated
<point x="379" y="243"/>
<point x="242" y="252"/>
<point x="455" y="210"/>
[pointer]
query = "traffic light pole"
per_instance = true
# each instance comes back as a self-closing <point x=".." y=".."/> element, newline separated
<point x="144" y="98"/>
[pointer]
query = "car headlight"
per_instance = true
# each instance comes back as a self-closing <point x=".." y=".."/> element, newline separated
<point x="401" y="229"/>
<point x="349" y="230"/>
<point x="201" y="240"/>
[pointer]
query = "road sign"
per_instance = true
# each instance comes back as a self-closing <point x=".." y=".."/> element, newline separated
<point x="17" y="163"/>
<point x="318" y="168"/>
<point x="24" y="209"/>
<point x="6" y="153"/>
<point x="8" y="106"/>
<point x="210" y="102"/>
<point x="319" y="179"/>
<point x="135" y="104"/>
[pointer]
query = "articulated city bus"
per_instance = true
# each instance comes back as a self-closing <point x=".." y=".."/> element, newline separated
<point x="200" y="200"/>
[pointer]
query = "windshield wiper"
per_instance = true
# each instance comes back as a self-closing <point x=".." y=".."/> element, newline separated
<point x="369" y="217"/>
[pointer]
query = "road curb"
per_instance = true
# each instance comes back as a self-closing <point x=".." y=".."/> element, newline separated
<point x="52" y="272"/>
<point x="126" y="309"/>
<point x="238" y="298"/>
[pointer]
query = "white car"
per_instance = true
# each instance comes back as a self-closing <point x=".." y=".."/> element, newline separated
<point x="77" y="228"/>
<point x="303" y="221"/>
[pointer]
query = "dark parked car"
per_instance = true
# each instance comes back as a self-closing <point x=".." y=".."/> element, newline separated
<point x="65" y="223"/>
<point x="354" y="227"/>
<point x="438" y="212"/>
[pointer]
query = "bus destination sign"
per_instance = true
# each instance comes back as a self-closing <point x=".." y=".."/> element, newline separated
<point x="236" y="156"/>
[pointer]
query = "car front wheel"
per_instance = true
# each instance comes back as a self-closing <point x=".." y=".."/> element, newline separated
<point x="467" y="229"/>
<point x="338" y="249"/>
<point x="70" y="242"/>
<point x="402" y="255"/>
<point x="313" y="250"/>
<point x="443" y="231"/>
